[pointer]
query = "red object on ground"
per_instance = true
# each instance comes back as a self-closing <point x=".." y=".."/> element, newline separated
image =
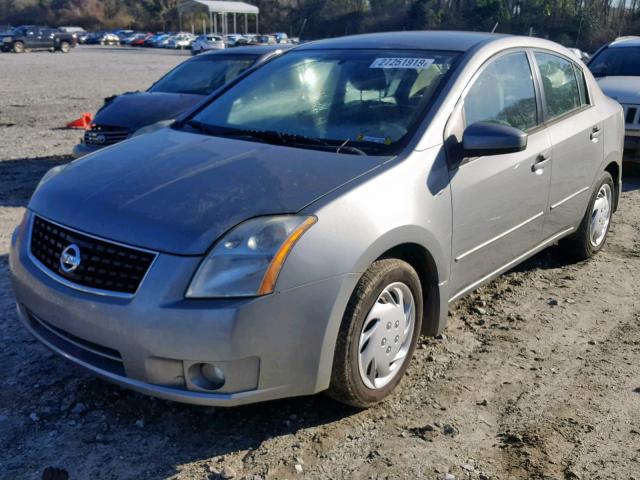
<point x="84" y="122"/>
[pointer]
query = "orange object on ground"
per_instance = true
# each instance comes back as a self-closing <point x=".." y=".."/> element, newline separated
<point x="84" y="122"/>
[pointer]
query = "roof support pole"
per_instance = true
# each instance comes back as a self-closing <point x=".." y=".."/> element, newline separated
<point x="257" y="26"/>
<point x="246" y="23"/>
<point x="210" y="22"/>
<point x="235" y="28"/>
<point x="215" y="23"/>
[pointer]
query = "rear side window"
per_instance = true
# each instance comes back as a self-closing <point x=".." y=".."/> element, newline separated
<point x="560" y="85"/>
<point x="503" y="93"/>
<point x="582" y="86"/>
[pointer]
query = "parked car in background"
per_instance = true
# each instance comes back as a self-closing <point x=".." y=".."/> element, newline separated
<point x="163" y="41"/>
<point x="207" y="42"/>
<point x="122" y="34"/>
<point x="181" y="40"/>
<point x="30" y="37"/>
<point x="83" y="37"/>
<point x="263" y="40"/>
<point x="127" y="39"/>
<point x="247" y="39"/>
<point x="299" y="230"/>
<point x="616" y="67"/>
<point x="151" y="41"/>
<point x="579" y="54"/>
<point x="107" y="38"/>
<point x="77" y="32"/>
<point x="232" y="40"/>
<point x="178" y="91"/>
<point x="102" y="38"/>
<point x="282" y="37"/>
<point x="140" y="40"/>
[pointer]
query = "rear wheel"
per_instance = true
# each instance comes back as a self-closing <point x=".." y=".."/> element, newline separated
<point x="592" y="233"/>
<point x="18" y="47"/>
<point x="378" y="334"/>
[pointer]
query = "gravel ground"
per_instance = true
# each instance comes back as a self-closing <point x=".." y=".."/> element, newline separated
<point x="535" y="377"/>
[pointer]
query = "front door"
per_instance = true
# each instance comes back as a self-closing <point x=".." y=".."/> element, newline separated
<point x="499" y="201"/>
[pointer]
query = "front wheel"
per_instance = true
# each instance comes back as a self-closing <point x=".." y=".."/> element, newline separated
<point x="65" y="47"/>
<point x="18" y="47"/>
<point x="592" y="232"/>
<point x="378" y="334"/>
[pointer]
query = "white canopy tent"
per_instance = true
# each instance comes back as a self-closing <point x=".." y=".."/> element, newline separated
<point x="218" y="8"/>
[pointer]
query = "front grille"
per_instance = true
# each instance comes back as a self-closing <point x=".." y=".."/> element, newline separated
<point x="97" y="355"/>
<point x="103" y="136"/>
<point x="102" y="265"/>
<point x="631" y="117"/>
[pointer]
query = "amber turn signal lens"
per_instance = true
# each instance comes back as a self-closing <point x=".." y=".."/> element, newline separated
<point x="271" y="275"/>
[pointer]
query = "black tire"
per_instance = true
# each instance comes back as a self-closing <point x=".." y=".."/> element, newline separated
<point x="579" y="244"/>
<point x="18" y="47"/>
<point x="347" y="385"/>
<point x="65" y="47"/>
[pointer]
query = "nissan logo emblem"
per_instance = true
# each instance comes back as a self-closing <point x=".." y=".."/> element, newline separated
<point x="70" y="258"/>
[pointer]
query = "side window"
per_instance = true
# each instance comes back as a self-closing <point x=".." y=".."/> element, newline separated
<point x="503" y="93"/>
<point x="582" y="86"/>
<point x="559" y="83"/>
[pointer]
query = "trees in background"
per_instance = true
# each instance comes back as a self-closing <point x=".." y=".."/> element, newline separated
<point x="582" y="23"/>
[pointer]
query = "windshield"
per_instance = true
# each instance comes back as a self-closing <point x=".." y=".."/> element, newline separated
<point x="370" y="99"/>
<point x="616" y="62"/>
<point x="203" y="75"/>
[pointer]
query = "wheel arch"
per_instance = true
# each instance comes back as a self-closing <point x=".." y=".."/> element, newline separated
<point x="614" y="169"/>
<point x="425" y="266"/>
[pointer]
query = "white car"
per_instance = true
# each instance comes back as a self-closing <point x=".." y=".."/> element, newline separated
<point x="182" y="40"/>
<point x="207" y="42"/>
<point x="616" y="67"/>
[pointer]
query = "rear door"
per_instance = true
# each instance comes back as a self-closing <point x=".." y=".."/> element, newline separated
<point x="499" y="201"/>
<point x="576" y="133"/>
<point x="42" y="38"/>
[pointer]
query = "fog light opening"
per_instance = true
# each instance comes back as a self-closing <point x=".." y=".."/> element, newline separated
<point x="206" y="376"/>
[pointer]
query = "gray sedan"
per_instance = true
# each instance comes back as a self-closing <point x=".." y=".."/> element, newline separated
<point x="300" y="230"/>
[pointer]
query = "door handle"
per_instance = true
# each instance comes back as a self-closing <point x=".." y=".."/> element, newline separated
<point x="595" y="133"/>
<point x="541" y="160"/>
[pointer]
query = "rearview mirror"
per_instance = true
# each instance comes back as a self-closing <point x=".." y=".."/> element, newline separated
<point x="486" y="138"/>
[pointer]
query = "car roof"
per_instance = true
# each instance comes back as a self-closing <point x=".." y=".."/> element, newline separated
<point x="631" y="41"/>
<point x="255" y="50"/>
<point x="412" y="40"/>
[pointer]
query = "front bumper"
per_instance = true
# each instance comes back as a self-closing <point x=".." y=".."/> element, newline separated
<point x="269" y="347"/>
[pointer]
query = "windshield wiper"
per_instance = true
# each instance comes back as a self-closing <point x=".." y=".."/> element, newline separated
<point x="275" y="137"/>
<point x="352" y="149"/>
<point x="268" y="136"/>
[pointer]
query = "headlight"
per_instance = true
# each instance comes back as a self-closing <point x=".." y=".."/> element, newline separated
<point x="246" y="262"/>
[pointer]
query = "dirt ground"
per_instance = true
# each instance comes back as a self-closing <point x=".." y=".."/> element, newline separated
<point x="535" y="377"/>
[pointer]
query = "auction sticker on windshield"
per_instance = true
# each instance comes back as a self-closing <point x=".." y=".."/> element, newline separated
<point x="401" y="62"/>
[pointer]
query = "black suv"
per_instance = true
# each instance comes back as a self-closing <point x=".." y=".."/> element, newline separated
<point x="31" y="37"/>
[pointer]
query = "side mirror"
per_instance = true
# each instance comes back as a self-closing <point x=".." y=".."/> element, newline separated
<point x="486" y="138"/>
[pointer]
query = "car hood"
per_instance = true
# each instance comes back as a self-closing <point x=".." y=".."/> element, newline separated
<point x="177" y="192"/>
<point x="136" y="110"/>
<point x="621" y="89"/>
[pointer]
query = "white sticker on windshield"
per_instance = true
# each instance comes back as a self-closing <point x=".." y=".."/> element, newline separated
<point x="402" y="62"/>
